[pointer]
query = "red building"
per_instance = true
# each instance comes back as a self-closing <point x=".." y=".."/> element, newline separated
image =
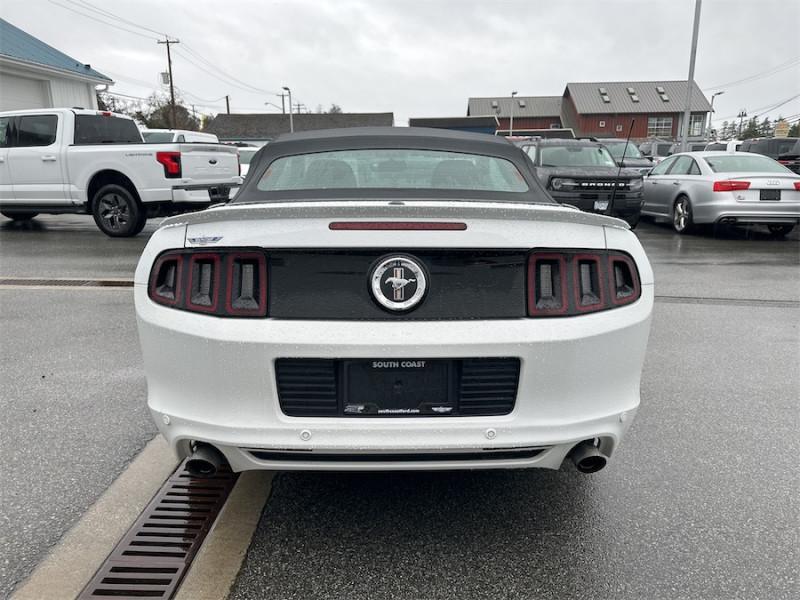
<point x="604" y="109"/>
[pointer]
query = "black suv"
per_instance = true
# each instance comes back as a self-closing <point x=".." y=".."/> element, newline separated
<point x="583" y="173"/>
<point x="633" y="158"/>
<point x="785" y="150"/>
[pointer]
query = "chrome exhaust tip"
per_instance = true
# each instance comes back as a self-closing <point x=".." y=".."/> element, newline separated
<point x="588" y="458"/>
<point x="205" y="461"/>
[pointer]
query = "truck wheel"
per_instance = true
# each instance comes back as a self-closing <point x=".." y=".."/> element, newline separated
<point x="19" y="216"/>
<point x="116" y="212"/>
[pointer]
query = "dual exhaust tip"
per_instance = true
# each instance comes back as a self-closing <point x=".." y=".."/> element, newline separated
<point x="587" y="457"/>
<point x="206" y="460"/>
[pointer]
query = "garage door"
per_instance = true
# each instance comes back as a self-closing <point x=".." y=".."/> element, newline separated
<point x="17" y="93"/>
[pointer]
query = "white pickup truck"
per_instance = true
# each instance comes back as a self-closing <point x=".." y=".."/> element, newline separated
<point x="95" y="162"/>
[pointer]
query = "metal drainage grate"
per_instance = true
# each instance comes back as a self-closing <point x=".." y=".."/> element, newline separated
<point x="154" y="555"/>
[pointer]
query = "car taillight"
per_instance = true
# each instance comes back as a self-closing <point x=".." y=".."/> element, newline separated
<point x="797" y="185"/>
<point x="730" y="185"/>
<point x="574" y="282"/>
<point x="171" y="162"/>
<point x="229" y="283"/>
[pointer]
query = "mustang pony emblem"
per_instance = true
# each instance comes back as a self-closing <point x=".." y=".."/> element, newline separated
<point x="398" y="282"/>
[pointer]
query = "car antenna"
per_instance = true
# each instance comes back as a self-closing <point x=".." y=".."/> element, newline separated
<point x="619" y="170"/>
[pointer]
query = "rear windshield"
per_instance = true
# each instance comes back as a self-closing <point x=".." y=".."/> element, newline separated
<point x="575" y="156"/>
<point x="664" y="149"/>
<point x="392" y="169"/>
<point x="617" y="149"/>
<point x="158" y="137"/>
<point x="717" y="146"/>
<point x="743" y="163"/>
<point x="101" y="129"/>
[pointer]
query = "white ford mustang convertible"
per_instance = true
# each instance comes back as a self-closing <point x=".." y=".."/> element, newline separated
<point x="393" y="298"/>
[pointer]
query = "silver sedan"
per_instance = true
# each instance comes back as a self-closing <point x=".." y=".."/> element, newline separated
<point x="696" y="188"/>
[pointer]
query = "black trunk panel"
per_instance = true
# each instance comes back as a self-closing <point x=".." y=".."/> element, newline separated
<point x="462" y="284"/>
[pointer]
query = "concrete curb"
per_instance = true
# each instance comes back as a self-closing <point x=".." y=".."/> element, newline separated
<point x="214" y="569"/>
<point x="74" y="560"/>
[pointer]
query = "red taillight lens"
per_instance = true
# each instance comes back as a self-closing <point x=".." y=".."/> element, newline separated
<point x="229" y="283"/>
<point x="730" y="185"/>
<point x="171" y="162"/>
<point x="246" y="294"/>
<point x="597" y="280"/>
<point x="797" y="185"/>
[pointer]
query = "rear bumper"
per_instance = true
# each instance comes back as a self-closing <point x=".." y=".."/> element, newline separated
<point x="213" y="380"/>
<point x="731" y="211"/>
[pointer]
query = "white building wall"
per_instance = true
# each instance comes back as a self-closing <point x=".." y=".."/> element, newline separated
<point x="67" y="93"/>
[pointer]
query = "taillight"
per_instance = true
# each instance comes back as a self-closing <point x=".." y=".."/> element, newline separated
<point x="574" y="282"/>
<point x="797" y="185"/>
<point x="171" y="162"/>
<point x="730" y="185"/>
<point x="229" y="283"/>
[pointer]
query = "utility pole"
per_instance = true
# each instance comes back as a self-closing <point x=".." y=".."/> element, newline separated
<point x="168" y="41"/>
<point x="687" y="113"/>
<point x="291" y="118"/>
<point x="283" y="102"/>
<point x="742" y="114"/>
<point x="511" y="121"/>
<point x="298" y="107"/>
<point x="228" y="104"/>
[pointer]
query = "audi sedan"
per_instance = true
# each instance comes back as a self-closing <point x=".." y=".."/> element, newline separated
<point x="703" y="188"/>
<point x="393" y="298"/>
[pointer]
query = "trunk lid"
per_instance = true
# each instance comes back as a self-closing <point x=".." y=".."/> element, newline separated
<point x="208" y="162"/>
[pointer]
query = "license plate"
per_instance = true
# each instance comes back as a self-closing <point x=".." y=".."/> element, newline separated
<point x="402" y="387"/>
<point x="601" y="204"/>
<point x="770" y="195"/>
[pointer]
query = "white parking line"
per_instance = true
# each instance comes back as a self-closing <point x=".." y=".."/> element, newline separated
<point x="74" y="560"/>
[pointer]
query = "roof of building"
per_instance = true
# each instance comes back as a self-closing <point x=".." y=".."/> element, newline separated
<point x="19" y="45"/>
<point x="262" y="126"/>
<point x="652" y="96"/>
<point x="524" y="106"/>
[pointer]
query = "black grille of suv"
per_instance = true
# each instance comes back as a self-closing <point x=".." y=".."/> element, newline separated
<point x="477" y="387"/>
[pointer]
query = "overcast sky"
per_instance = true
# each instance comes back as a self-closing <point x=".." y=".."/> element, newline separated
<point x="422" y="58"/>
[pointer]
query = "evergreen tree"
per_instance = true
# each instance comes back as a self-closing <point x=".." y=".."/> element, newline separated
<point x="723" y="131"/>
<point x="751" y="129"/>
<point x="766" y="128"/>
<point x="794" y="130"/>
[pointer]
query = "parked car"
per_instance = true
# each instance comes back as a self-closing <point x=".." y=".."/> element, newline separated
<point x="690" y="147"/>
<point x="428" y="306"/>
<point x="246" y="154"/>
<point x="724" y="145"/>
<point x="584" y="174"/>
<point x="655" y="150"/>
<point x="85" y="161"/>
<point x="166" y="136"/>
<point x="791" y="158"/>
<point x="772" y="147"/>
<point x="633" y="158"/>
<point x="696" y="188"/>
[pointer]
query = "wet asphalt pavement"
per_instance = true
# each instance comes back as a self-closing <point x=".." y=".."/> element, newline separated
<point x="701" y="500"/>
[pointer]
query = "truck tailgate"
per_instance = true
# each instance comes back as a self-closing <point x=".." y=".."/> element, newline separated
<point x="208" y="162"/>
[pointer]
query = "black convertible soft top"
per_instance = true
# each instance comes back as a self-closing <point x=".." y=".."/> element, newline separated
<point x="417" y="138"/>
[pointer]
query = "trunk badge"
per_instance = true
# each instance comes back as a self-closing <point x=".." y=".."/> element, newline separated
<point x="202" y="241"/>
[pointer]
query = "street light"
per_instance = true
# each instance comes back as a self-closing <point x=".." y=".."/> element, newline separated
<point x="291" y="120"/>
<point x="511" y="121"/>
<point x="711" y="112"/>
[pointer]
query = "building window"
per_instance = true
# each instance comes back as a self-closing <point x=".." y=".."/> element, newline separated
<point x="601" y="123"/>
<point x="696" y="123"/>
<point x="659" y="126"/>
<point x="555" y="125"/>
<point x="619" y="128"/>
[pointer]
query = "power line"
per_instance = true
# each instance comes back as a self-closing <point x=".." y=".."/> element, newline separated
<point x="101" y="21"/>
<point x="762" y="74"/>
<point x="109" y="14"/>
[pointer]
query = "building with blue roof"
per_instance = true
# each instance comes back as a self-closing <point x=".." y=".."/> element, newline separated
<point x="36" y="75"/>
